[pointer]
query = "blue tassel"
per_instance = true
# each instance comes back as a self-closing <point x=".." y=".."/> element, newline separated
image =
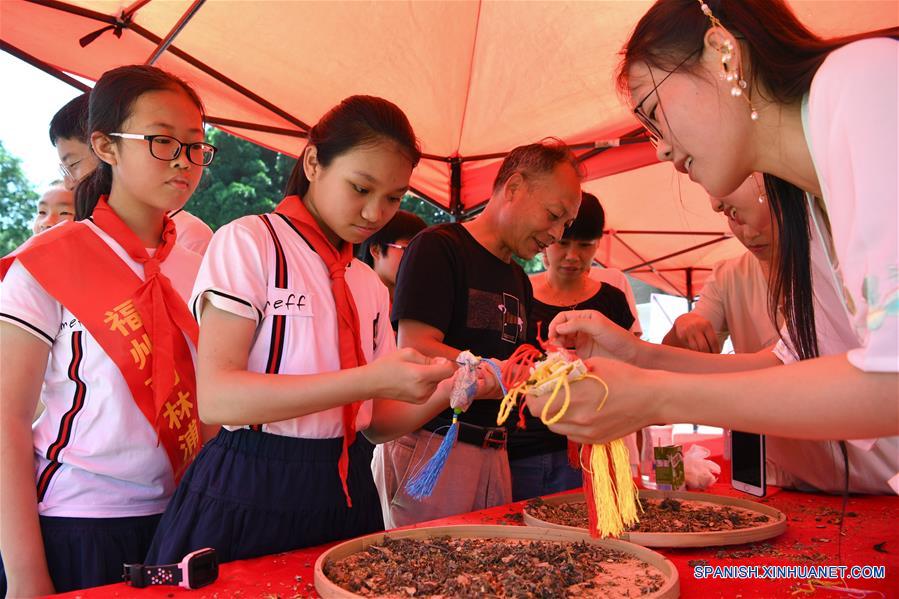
<point x="422" y="484"/>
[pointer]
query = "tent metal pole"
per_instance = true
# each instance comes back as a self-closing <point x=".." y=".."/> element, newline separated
<point x="597" y="146"/>
<point x="647" y="232"/>
<point x="678" y="269"/>
<point x="167" y="41"/>
<point x="203" y="67"/>
<point x="654" y="271"/>
<point x="82" y="12"/>
<point x="689" y="275"/>
<point x="45" y="67"/>
<point x="455" y="207"/>
<point x="130" y="10"/>
<point x="673" y="254"/>
<point x="222" y="122"/>
<point x="435" y="157"/>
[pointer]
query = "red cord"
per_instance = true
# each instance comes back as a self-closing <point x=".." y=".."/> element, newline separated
<point x="517" y="368"/>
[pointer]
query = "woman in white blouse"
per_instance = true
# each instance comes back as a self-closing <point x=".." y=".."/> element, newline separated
<point x="726" y="88"/>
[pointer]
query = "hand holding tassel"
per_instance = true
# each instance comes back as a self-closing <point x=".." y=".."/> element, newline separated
<point x="466" y="386"/>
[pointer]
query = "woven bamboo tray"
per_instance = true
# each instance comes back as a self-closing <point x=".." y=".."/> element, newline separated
<point x="670" y="589"/>
<point x="774" y="527"/>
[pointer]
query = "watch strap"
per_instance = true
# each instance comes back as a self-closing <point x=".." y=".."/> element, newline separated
<point x="140" y="576"/>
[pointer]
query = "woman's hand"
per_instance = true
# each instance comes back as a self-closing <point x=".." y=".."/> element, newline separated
<point x="489" y="386"/>
<point x="695" y="332"/>
<point x="593" y="335"/>
<point x="630" y="406"/>
<point x="409" y="376"/>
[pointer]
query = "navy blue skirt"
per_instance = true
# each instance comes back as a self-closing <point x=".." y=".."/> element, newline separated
<point x="251" y="493"/>
<point x="89" y="552"/>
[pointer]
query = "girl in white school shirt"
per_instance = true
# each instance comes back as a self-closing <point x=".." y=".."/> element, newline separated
<point x="297" y="351"/>
<point x="728" y="87"/>
<point x="83" y="491"/>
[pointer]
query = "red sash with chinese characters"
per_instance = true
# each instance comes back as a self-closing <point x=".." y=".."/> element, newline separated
<point x="349" y="339"/>
<point x="138" y="323"/>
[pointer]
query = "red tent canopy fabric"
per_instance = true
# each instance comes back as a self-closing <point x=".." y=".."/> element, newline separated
<point x="475" y="78"/>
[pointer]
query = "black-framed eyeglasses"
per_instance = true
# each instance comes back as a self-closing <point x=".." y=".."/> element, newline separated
<point x="651" y="126"/>
<point x="166" y="147"/>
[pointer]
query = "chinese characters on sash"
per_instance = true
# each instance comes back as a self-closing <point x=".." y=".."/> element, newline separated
<point x="178" y="413"/>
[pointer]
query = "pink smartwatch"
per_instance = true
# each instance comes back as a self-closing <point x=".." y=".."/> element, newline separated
<point x="197" y="569"/>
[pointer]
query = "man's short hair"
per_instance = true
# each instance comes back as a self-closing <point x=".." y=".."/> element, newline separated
<point x="589" y="222"/>
<point x="535" y="159"/>
<point x="70" y="121"/>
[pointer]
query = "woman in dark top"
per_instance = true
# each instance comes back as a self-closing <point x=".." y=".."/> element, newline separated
<point x="538" y="457"/>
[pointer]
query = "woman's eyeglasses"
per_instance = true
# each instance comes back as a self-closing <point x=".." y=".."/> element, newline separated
<point x="651" y="126"/>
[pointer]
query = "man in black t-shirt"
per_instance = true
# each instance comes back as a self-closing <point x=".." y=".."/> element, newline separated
<point x="458" y="288"/>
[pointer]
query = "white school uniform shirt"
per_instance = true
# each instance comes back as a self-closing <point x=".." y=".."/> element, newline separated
<point x="851" y="121"/>
<point x="618" y="280"/>
<point x="110" y="464"/>
<point x="296" y="319"/>
<point x="193" y="233"/>
<point x="734" y="300"/>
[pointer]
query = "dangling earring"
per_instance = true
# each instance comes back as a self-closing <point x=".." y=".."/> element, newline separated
<point x="762" y="194"/>
<point x="734" y="76"/>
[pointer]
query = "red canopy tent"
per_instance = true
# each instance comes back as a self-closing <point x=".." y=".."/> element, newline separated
<point x="476" y="79"/>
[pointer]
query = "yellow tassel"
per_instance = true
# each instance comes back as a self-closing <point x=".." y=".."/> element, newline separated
<point x="608" y="518"/>
<point x="625" y="488"/>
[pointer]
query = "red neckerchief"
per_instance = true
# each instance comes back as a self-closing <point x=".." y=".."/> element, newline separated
<point x="164" y="312"/>
<point x="348" y="335"/>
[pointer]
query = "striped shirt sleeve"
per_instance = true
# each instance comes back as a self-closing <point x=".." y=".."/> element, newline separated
<point x="25" y="303"/>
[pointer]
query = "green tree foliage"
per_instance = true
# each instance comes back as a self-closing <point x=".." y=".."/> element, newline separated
<point x="534" y="265"/>
<point x="243" y="179"/>
<point x="17" y="203"/>
<point x="424" y="209"/>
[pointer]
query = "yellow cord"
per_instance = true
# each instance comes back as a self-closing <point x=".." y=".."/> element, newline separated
<point x="561" y="382"/>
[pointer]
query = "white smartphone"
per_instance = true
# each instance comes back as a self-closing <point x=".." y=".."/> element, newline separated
<point x="748" y="463"/>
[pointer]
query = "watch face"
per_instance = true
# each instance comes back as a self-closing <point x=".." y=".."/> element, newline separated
<point x="203" y="568"/>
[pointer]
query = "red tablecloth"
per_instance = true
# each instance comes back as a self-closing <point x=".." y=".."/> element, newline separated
<point x="871" y="538"/>
<point x="810" y="539"/>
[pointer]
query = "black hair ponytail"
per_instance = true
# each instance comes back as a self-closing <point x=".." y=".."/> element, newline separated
<point x="790" y="280"/>
<point x="356" y="122"/>
<point x="89" y="190"/>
